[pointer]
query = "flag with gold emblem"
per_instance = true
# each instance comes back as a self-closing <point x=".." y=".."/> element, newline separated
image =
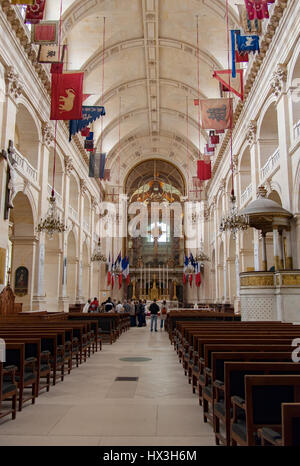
<point x="35" y="13"/>
<point x="22" y="2"/>
<point x="66" y="96"/>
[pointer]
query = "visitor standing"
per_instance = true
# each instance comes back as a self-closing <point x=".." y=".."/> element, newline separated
<point x="154" y="310"/>
<point x="132" y="314"/>
<point x="119" y="307"/>
<point x="86" y="306"/>
<point x="94" y="306"/>
<point x="126" y="307"/>
<point x="163" y="314"/>
<point x="108" y="305"/>
<point x="141" y="313"/>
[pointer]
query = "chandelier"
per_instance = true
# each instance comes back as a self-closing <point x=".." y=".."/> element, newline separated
<point x="97" y="255"/>
<point x="201" y="256"/>
<point x="235" y="221"/>
<point x="51" y="223"/>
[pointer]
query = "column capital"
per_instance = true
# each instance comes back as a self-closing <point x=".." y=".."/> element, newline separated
<point x="222" y="185"/>
<point x="279" y="79"/>
<point x="251" y="132"/>
<point x="235" y="162"/>
<point x="47" y="133"/>
<point x="83" y="186"/>
<point x="68" y="165"/>
<point x="13" y="82"/>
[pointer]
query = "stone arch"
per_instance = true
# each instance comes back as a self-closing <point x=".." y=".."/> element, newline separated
<point x="85" y="271"/>
<point x="23" y="242"/>
<point x="268" y="140"/>
<point x="27" y="137"/>
<point x="72" y="260"/>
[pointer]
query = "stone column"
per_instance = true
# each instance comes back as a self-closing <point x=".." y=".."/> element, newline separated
<point x="8" y="110"/>
<point x="63" y="301"/>
<point x="39" y="301"/>
<point x="264" y="252"/>
<point x="280" y="247"/>
<point x="79" y="297"/>
<point x="278" y="85"/>
<point x="251" y="138"/>
<point x="276" y="248"/>
<point x="289" y="255"/>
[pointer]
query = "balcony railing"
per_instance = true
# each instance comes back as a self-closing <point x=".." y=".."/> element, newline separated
<point x="58" y="197"/>
<point x="73" y="213"/>
<point x="271" y="164"/>
<point x="24" y="167"/>
<point x="246" y="195"/>
<point x="297" y="130"/>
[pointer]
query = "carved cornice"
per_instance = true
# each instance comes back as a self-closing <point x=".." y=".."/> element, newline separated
<point x="94" y="202"/>
<point x="68" y="165"/>
<point x="251" y="132"/>
<point x="47" y="133"/>
<point x="13" y="82"/>
<point x="279" y="78"/>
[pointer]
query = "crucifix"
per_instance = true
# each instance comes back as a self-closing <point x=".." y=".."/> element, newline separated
<point x="11" y="178"/>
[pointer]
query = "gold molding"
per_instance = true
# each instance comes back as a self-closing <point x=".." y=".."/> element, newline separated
<point x="291" y="279"/>
<point x="255" y="280"/>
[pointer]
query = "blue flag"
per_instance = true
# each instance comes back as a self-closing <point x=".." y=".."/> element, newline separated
<point x="89" y="114"/>
<point x="245" y="44"/>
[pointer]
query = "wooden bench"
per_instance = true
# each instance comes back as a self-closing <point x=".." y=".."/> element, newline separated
<point x="289" y="434"/>
<point x="261" y="407"/>
<point x="8" y="390"/>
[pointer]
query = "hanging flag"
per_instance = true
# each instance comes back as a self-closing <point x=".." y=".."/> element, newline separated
<point x="216" y="113"/>
<point x="220" y="131"/>
<point x="96" y="165"/>
<point x="125" y="268"/>
<point x="191" y="279"/>
<point x="35" y="13"/>
<point x="85" y="132"/>
<point x="109" y="271"/>
<point x="45" y="32"/>
<point x="66" y="96"/>
<point x="186" y="263"/>
<point x="196" y="102"/>
<point x="197" y="274"/>
<point x="22" y="2"/>
<point x="213" y="138"/>
<point x="120" y="280"/>
<point x="241" y="58"/>
<point x="257" y="9"/>
<point x="89" y="114"/>
<point x="249" y="27"/>
<point x="234" y="85"/>
<point x="203" y="170"/>
<point x="106" y="174"/>
<point x="57" y="68"/>
<point x="247" y="43"/>
<point x="51" y="53"/>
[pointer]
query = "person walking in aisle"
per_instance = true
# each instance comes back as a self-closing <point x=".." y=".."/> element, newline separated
<point x="163" y="314"/>
<point x="154" y="310"/>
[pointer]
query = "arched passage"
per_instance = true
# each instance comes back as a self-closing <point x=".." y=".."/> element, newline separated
<point x="71" y="267"/>
<point x="23" y="249"/>
<point x="26" y="136"/>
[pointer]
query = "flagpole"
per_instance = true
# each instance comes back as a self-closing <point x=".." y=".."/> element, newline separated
<point x="149" y="286"/>
<point x="159" y="284"/>
<point x="141" y="279"/>
<point x="167" y="282"/>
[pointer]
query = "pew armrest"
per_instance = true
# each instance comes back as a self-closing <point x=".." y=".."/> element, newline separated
<point x="238" y="401"/>
<point x="30" y="362"/>
<point x="9" y="371"/>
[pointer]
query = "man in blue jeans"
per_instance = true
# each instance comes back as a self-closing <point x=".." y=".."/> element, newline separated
<point x="154" y="309"/>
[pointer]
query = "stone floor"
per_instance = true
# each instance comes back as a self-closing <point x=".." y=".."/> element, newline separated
<point x="91" y="408"/>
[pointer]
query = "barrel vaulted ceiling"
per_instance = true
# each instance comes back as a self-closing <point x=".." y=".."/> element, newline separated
<point x="150" y="68"/>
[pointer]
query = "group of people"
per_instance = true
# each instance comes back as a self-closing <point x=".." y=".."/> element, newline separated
<point x="137" y="310"/>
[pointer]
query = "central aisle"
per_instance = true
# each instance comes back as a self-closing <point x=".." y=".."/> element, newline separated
<point x="91" y="408"/>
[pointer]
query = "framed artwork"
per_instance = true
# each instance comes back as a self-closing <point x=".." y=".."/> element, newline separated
<point x="50" y="53"/>
<point x="45" y="32"/>
<point x="21" y="281"/>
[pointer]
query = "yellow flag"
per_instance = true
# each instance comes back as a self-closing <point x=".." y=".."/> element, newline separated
<point x="23" y="2"/>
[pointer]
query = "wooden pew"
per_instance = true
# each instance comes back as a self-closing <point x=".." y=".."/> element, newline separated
<point x="232" y="383"/>
<point x="261" y="407"/>
<point x="288" y="436"/>
<point x="8" y="390"/>
<point x="26" y="375"/>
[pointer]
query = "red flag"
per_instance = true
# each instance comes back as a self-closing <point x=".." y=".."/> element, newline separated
<point x="203" y="170"/>
<point x="35" y="13"/>
<point x="45" y="32"/>
<point x="85" y="131"/>
<point x="112" y="280"/>
<point x="216" y="113"/>
<point x="257" y="9"/>
<point x="213" y="139"/>
<point x="191" y="279"/>
<point x="241" y="57"/>
<point x="66" y="97"/>
<point x="128" y="279"/>
<point x="56" y="68"/>
<point x="196" y="102"/>
<point x="209" y="148"/>
<point x="184" y="278"/>
<point x="234" y="85"/>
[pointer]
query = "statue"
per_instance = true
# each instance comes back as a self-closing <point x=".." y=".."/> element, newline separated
<point x="11" y="185"/>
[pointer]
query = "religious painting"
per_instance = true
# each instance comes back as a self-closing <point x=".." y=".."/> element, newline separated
<point x="21" y="281"/>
